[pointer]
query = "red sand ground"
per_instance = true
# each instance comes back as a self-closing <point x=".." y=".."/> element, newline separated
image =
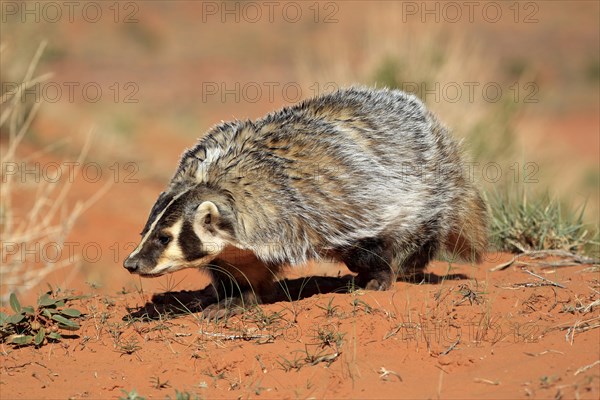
<point x="474" y="333"/>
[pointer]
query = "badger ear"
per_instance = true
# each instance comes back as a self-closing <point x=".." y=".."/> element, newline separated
<point x="207" y="216"/>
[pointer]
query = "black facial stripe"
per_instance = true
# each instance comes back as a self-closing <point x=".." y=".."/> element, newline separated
<point x="190" y="243"/>
<point x="226" y="225"/>
<point x="159" y="205"/>
<point x="171" y="212"/>
<point x="164" y="214"/>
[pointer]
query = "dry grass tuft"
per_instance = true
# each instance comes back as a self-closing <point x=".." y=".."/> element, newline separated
<point x="34" y="213"/>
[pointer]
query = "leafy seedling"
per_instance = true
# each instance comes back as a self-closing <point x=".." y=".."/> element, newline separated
<point x="30" y="325"/>
<point x="131" y="395"/>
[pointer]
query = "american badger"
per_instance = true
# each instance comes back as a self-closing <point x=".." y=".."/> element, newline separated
<point x="368" y="177"/>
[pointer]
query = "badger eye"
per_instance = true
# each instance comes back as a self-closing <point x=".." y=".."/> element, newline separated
<point x="164" y="239"/>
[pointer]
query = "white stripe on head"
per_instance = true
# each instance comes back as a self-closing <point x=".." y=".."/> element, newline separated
<point x="158" y="217"/>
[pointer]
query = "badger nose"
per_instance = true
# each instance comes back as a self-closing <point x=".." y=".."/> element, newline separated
<point x="132" y="265"/>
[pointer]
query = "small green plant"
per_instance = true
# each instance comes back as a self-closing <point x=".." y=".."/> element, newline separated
<point x="357" y="304"/>
<point x="131" y="395"/>
<point x="320" y="355"/>
<point x="128" y="347"/>
<point x="327" y="336"/>
<point x="184" y="395"/>
<point x="547" y="381"/>
<point x="470" y="295"/>
<point x="288" y="365"/>
<point x="37" y="325"/>
<point x="264" y="319"/>
<point x="330" y="309"/>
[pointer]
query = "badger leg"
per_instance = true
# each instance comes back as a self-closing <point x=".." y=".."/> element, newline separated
<point x="232" y="297"/>
<point x="413" y="264"/>
<point x="239" y="287"/>
<point x="372" y="260"/>
<point x="230" y="305"/>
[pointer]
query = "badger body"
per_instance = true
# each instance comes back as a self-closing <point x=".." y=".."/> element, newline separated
<point x="369" y="177"/>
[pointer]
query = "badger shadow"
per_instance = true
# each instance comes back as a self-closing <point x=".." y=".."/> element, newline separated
<point x="185" y="302"/>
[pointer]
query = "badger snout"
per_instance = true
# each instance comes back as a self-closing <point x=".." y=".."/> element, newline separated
<point x="139" y="266"/>
<point x="136" y="265"/>
<point x="132" y="264"/>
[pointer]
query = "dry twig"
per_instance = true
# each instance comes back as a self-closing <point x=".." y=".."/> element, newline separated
<point x="575" y="259"/>
<point x="586" y="367"/>
<point x="549" y="282"/>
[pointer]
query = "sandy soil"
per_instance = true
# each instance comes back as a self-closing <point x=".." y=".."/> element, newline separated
<point x="468" y="332"/>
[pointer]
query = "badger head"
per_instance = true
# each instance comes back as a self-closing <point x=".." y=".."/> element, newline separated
<point x="186" y="228"/>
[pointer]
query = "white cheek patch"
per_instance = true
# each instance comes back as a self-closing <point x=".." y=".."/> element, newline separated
<point x="166" y="266"/>
<point x="173" y="250"/>
<point x="172" y="258"/>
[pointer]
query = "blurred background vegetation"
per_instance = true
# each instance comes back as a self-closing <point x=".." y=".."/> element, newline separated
<point x="520" y="87"/>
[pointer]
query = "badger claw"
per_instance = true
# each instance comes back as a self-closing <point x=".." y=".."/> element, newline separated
<point x="374" y="284"/>
<point x="224" y="308"/>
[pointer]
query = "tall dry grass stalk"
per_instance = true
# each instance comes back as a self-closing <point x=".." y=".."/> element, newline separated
<point x="34" y="213"/>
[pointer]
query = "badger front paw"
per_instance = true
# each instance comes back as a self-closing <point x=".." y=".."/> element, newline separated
<point x="381" y="280"/>
<point x="224" y="308"/>
<point x="230" y="306"/>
